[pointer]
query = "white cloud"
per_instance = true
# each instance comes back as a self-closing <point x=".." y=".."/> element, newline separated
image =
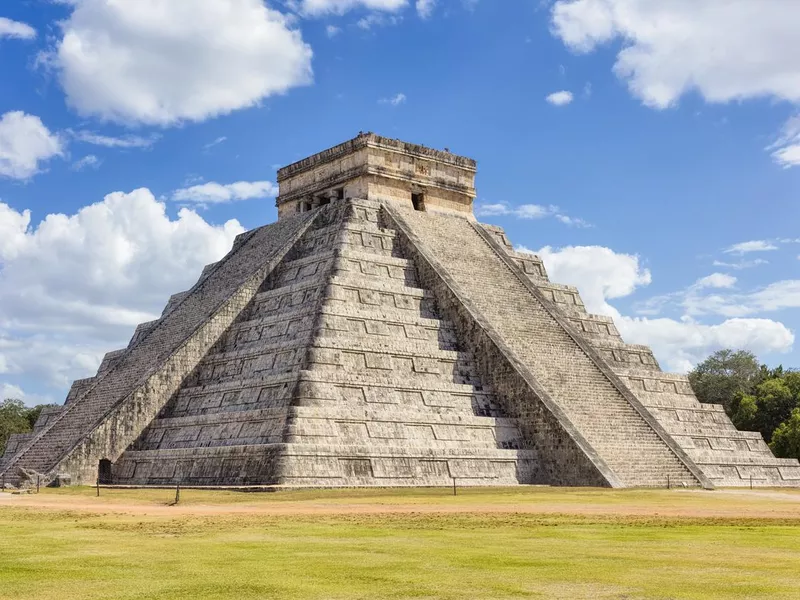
<point x="726" y="51"/>
<point x="705" y="298"/>
<point x="786" y="150"/>
<point x="425" y="8"/>
<point x="742" y="264"/>
<point x="216" y="142"/>
<point x="332" y="31"/>
<point x="602" y="275"/>
<point x="15" y="29"/>
<point x="163" y="62"/>
<point x="107" y="141"/>
<point x="751" y="246"/>
<point x="716" y="280"/>
<point x="216" y="193"/>
<point x="528" y="212"/>
<point x="11" y="392"/>
<point x="395" y="100"/>
<point x="90" y="161"/>
<point x="378" y="20"/>
<point x="561" y="98"/>
<point x="74" y="287"/>
<point x="25" y="142"/>
<point x="573" y="221"/>
<point x="317" y="8"/>
<point x="680" y="345"/>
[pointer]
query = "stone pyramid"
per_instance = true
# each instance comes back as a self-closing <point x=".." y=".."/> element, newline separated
<point x="377" y="335"/>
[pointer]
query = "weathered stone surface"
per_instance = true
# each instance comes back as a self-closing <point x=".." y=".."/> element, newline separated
<point x="362" y="342"/>
<point x="105" y="419"/>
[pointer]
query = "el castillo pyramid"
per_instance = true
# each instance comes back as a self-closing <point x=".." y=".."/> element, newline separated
<point x="378" y="335"/>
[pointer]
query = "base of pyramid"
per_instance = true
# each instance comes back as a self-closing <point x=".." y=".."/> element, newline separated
<point x="313" y="465"/>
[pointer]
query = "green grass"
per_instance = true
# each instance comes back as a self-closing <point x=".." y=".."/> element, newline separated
<point x="105" y="553"/>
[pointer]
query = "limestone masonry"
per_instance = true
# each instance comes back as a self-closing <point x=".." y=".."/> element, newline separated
<point x="377" y="335"/>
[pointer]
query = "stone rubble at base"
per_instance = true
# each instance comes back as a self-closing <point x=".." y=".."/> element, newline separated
<point x="377" y="335"/>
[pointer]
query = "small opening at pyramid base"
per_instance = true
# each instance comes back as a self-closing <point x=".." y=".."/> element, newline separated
<point x="104" y="472"/>
<point x="418" y="200"/>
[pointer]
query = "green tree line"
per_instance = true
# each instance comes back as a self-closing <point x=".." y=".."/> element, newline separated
<point x="15" y="417"/>
<point x="755" y="397"/>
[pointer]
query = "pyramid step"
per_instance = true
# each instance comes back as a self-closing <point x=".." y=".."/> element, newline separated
<point x="352" y="279"/>
<point x="236" y="428"/>
<point x="665" y="401"/>
<point x="317" y="464"/>
<point x="352" y="425"/>
<point x="739" y="470"/>
<point x="290" y="325"/>
<point x="626" y="356"/>
<point x="310" y="268"/>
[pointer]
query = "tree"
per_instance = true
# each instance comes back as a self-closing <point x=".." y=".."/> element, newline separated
<point x="745" y="412"/>
<point x="786" y="438"/>
<point x="723" y="375"/>
<point x="775" y="403"/>
<point x="792" y="380"/>
<point x="13" y="419"/>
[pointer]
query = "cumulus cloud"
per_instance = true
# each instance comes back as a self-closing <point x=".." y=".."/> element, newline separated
<point x="11" y="392"/>
<point x="316" y="8"/>
<point x="25" y="142"/>
<point x="163" y="62"/>
<point x="602" y="274"/>
<point x="751" y="246"/>
<point x="724" y="50"/>
<point x="561" y="98"/>
<point x="217" y="193"/>
<point x="425" y="8"/>
<point x="528" y="212"/>
<point x="716" y="280"/>
<point x="681" y="344"/>
<point x="75" y="286"/>
<point x="15" y="29"/>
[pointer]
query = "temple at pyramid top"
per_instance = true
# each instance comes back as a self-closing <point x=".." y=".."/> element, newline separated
<point x="379" y="168"/>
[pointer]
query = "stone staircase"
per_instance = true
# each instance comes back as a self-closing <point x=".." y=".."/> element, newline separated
<point x="623" y="436"/>
<point x="726" y="456"/>
<point x="340" y="373"/>
<point x="108" y="412"/>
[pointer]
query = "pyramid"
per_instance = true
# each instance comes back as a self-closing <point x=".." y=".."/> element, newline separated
<point x="378" y="335"/>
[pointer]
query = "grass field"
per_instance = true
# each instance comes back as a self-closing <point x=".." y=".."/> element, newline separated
<point x="513" y="543"/>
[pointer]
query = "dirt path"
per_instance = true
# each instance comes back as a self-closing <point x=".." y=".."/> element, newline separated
<point x="720" y="504"/>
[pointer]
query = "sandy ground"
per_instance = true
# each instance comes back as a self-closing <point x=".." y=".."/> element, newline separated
<point x="758" y="504"/>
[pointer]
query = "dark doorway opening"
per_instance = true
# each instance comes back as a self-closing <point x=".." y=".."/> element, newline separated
<point x="104" y="472"/>
<point x="418" y="200"/>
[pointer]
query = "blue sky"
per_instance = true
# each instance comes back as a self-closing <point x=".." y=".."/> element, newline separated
<point x="649" y="151"/>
